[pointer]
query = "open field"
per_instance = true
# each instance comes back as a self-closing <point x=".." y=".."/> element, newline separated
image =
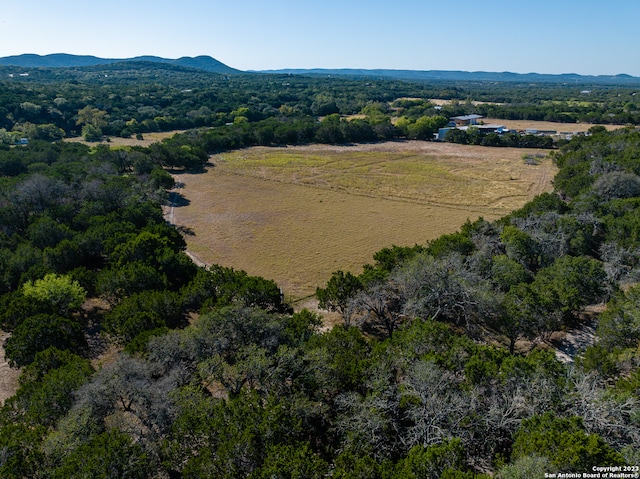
<point x="546" y="125"/>
<point x="440" y="102"/>
<point x="116" y="141"/>
<point x="8" y="376"/>
<point x="297" y="214"/>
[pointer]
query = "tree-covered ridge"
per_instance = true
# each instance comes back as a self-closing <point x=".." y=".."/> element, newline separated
<point x="428" y="377"/>
<point x="206" y="63"/>
<point x="62" y="60"/>
<point x="457" y="75"/>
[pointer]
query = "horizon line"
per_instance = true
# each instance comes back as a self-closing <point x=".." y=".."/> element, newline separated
<point x="252" y="70"/>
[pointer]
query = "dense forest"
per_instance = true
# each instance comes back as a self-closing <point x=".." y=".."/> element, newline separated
<point x="442" y="366"/>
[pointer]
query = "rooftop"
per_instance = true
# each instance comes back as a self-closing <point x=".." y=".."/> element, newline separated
<point x="466" y="117"/>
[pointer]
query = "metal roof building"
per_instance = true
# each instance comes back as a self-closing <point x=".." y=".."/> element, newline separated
<point x="466" y="119"/>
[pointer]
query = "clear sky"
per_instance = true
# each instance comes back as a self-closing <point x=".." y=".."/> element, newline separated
<point x="589" y="37"/>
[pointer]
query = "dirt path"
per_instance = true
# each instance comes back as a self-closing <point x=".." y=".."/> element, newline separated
<point x="170" y="213"/>
<point x="174" y="195"/>
<point x="8" y="376"/>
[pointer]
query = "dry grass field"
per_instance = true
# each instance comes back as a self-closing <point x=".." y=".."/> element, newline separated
<point x="296" y="214"/>
<point x="546" y="125"/>
<point x="116" y="141"/>
<point x="8" y="376"/>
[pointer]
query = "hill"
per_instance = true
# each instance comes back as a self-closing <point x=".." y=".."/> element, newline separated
<point x="417" y="75"/>
<point x="209" y="64"/>
<point x="63" y="60"/>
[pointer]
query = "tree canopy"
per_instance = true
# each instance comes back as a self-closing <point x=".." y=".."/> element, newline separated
<point x="443" y="365"/>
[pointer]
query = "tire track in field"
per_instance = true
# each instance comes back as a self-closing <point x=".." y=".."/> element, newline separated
<point x="319" y="181"/>
<point x="482" y="210"/>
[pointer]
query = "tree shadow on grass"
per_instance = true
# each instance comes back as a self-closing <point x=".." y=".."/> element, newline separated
<point x="178" y="200"/>
<point x="185" y="230"/>
<point x="194" y="170"/>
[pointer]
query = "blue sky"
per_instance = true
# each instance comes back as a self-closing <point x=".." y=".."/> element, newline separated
<point x="562" y="36"/>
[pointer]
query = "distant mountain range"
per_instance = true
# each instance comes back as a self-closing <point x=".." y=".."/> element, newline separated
<point x="209" y="64"/>
<point x="63" y="60"/>
<point x="417" y="75"/>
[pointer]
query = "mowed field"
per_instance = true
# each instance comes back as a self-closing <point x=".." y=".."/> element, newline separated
<point x="296" y="214"/>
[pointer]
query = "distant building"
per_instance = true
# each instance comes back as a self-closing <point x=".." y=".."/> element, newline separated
<point x="466" y="120"/>
<point x="488" y="128"/>
<point x="534" y="131"/>
<point x="22" y="141"/>
<point x="442" y="132"/>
